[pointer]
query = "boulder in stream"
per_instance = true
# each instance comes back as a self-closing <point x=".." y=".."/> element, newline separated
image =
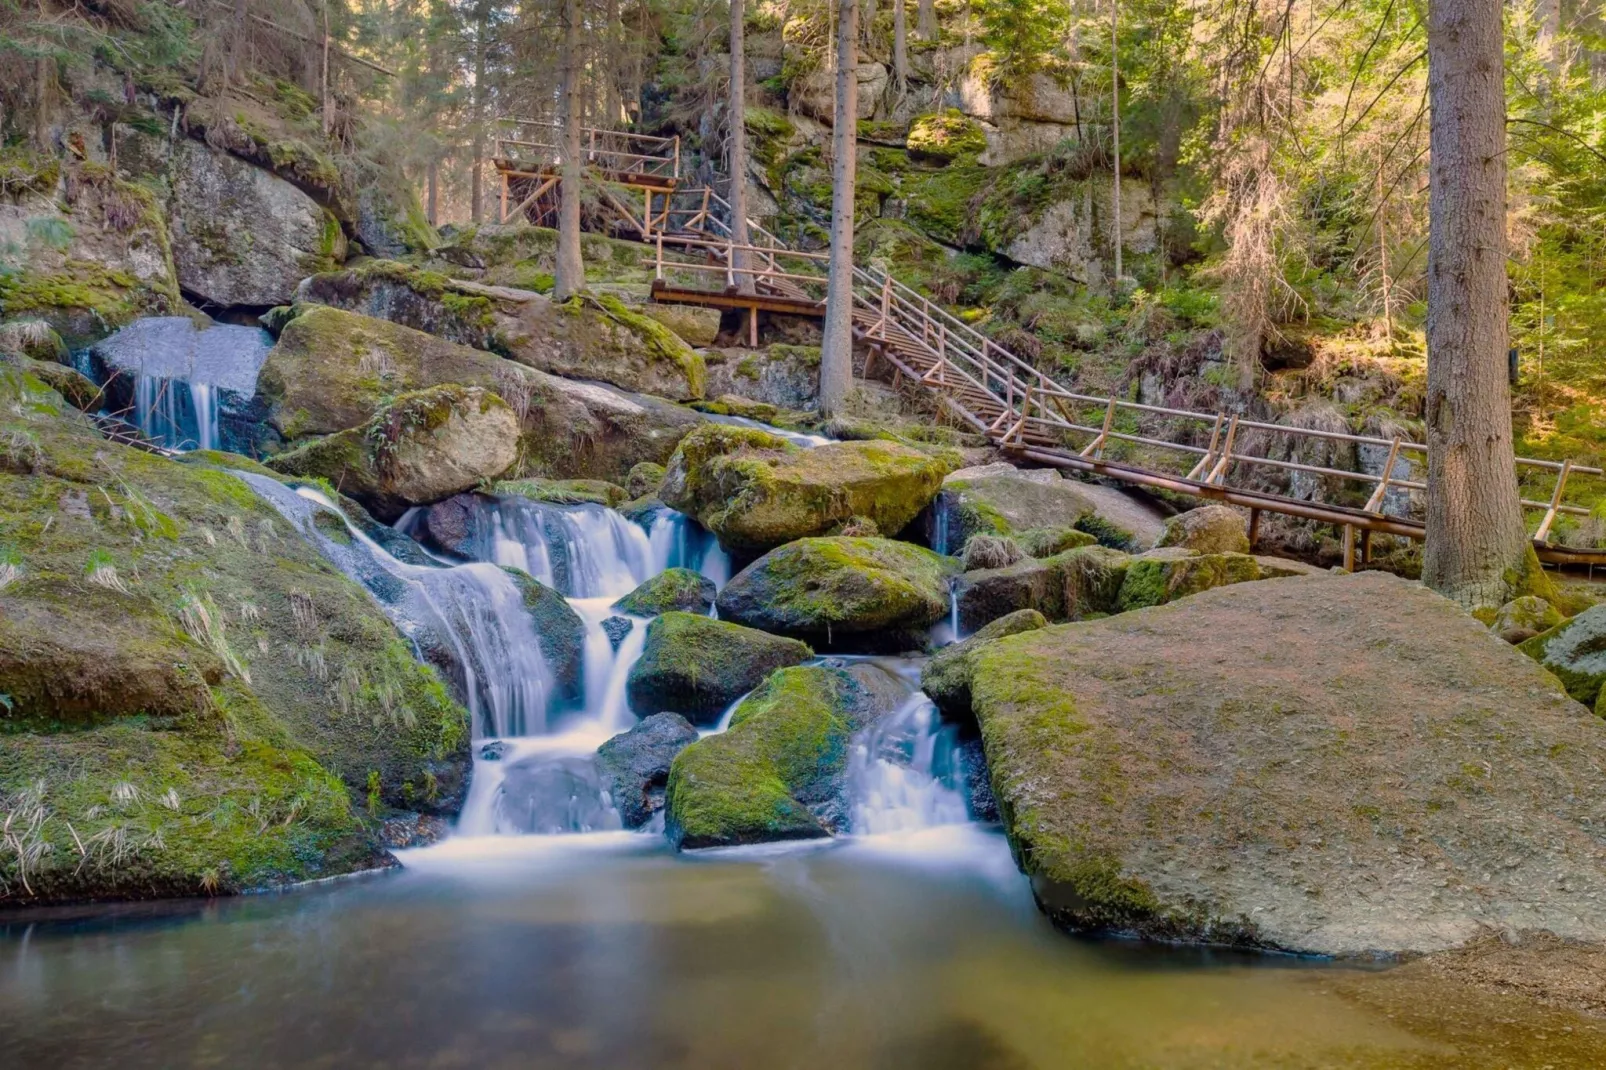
<point x="946" y="677"/>
<point x="420" y="448"/>
<point x="1575" y="651"/>
<point x="673" y="588"/>
<point x="755" y="490"/>
<point x="843" y="591"/>
<point x="698" y="666"/>
<point x="779" y="767"/>
<point x="1344" y="765"/>
<point x="635" y="764"/>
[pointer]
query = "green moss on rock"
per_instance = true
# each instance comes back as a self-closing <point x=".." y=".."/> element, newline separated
<point x="672" y="589"/>
<point x="946" y="677"/>
<point x="697" y="666"/>
<point x="1162" y="576"/>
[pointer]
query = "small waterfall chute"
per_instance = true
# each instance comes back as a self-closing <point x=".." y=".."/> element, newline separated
<point x="903" y="772"/>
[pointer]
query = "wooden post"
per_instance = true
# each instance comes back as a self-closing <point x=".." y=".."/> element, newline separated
<point x="646" y="217"/>
<point x="505" y="181"/>
<point x="1366" y="546"/>
<point x="752" y="327"/>
<point x="1543" y="534"/>
<point x="1254" y="528"/>
<point x="677" y="158"/>
<point x="1349" y="548"/>
<point x="886" y="303"/>
<point x="1203" y="467"/>
<point x="1219" y="472"/>
<point x="659" y="270"/>
<point x="1375" y="503"/>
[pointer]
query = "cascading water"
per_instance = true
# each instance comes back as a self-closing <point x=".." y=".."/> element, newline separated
<point x="469" y="617"/>
<point x="175" y="381"/>
<point x="904" y="770"/>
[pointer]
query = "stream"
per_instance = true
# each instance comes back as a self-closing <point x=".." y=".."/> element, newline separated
<point x="541" y="934"/>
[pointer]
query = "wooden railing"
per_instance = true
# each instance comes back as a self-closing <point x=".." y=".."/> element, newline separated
<point x="617" y="152"/>
<point x="763" y="265"/>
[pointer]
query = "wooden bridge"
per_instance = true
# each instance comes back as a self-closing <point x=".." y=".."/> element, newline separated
<point x="1014" y="405"/>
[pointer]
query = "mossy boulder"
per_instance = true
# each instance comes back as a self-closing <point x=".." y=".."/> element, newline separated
<point x="33" y="339"/>
<point x="1523" y="618"/>
<point x="77" y="388"/>
<point x="1343" y="765"/>
<point x="589" y="337"/>
<point x="692" y="324"/>
<point x="642" y="480"/>
<point x="563" y="491"/>
<point x="1161" y="576"/>
<point x="1081" y="582"/>
<point x="421" y="448"/>
<point x="187" y="677"/>
<point x="1008" y="504"/>
<point x="755" y="490"/>
<point x="1209" y="529"/>
<point x="561" y="631"/>
<point x="1575" y="651"/>
<point x="331" y="369"/>
<point x="783" y="375"/>
<point x="776" y="770"/>
<point x="842" y="591"/>
<point x="946" y="677"/>
<point x="698" y="666"/>
<point x="1049" y="542"/>
<point x="672" y="589"/>
<point x="635" y="765"/>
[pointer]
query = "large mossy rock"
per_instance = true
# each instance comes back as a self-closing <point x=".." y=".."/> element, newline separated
<point x="331" y="369"/>
<point x="589" y="337"/>
<point x="946" y="677"/>
<point x="241" y="235"/>
<point x="698" y="666"/>
<point x="755" y="490"/>
<point x="780" y="765"/>
<point x="1008" y="504"/>
<point x="1078" y="583"/>
<point x="561" y="631"/>
<point x="635" y="765"/>
<point x="1162" y="576"/>
<point x="1575" y="651"/>
<point x="1345" y="765"/>
<point x="187" y="677"/>
<point x="1209" y="529"/>
<point x="842" y="591"/>
<point x="105" y="258"/>
<point x="1525" y="617"/>
<point x="671" y="589"/>
<point x="421" y="448"/>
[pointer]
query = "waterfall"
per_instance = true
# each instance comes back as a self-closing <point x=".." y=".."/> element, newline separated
<point x="902" y="772"/>
<point x="677" y="542"/>
<point x="177" y="381"/>
<point x="469" y="617"/>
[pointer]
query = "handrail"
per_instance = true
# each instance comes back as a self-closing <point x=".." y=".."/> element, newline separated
<point x="615" y="145"/>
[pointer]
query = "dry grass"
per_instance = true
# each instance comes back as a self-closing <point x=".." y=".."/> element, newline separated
<point x="204" y="623"/>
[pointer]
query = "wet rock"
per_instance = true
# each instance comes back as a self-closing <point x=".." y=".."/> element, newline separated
<point x="77" y="388"/>
<point x="842" y="591"/>
<point x="1346" y="765"/>
<point x="783" y="759"/>
<point x="420" y="448"/>
<point x="673" y="588"/>
<point x="331" y="369"/>
<point x="976" y="782"/>
<point x="1575" y="651"/>
<point x="494" y="751"/>
<point x="616" y="628"/>
<point x="545" y="796"/>
<point x="697" y="666"/>
<point x="643" y="480"/>
<point x="1209" y="529"/>
<point x="635" y="764"/>
<point x="1523" y="618"/>
<point x="756" y="491"/>
<point x="946" y="677"/>
<point x="413" y="830"/>
<point x="455" y="525"/>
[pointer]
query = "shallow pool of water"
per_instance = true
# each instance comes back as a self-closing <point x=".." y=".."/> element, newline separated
<point x="919" y="951"/>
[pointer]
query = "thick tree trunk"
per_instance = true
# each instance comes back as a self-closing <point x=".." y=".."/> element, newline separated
<point x="1477" y="547"/>
<point x="1115" y="128"/>
<point x="738" y="149"/>
<point x="569" y="278"/>
<point x="836" y="351"/>
<point x="926" y="20"/>
<point x="900" y="53"/>
<point x="476" y="198"/>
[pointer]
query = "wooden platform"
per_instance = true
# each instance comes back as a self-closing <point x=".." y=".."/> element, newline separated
<point x="664" y="293"/>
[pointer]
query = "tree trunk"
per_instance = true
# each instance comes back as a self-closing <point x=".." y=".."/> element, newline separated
<point x="836" y="351"/>
<point x="1115" y="127"/>
<point x="866" y="19"/>
<point x="435" y="192"/>
<point x="738" y="149"/>
<point x="570" y="273"/>
<point x="1477" y="547"/>
<point x="926" y="20"/>
<point x="900" y="53"/>
<point x="476" y="200"/>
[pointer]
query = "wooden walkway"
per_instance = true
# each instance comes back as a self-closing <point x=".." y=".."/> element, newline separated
<point x="1035" y="420"/>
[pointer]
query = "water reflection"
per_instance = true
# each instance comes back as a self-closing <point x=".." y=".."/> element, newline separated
<point x="605" y="950"/>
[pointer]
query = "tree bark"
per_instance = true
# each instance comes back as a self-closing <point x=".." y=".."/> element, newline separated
<point x="738" y="149"/>
<point x="900" y="53"/>
<point x="1115" y="126"/>
<point x="434" y="191"/>
<point x="1477" y="546"/>
<point x="569" y="277"/>
<point x="836" y="351"/>
<point x="476" y="198"/>
<point x="926" y="20"/>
